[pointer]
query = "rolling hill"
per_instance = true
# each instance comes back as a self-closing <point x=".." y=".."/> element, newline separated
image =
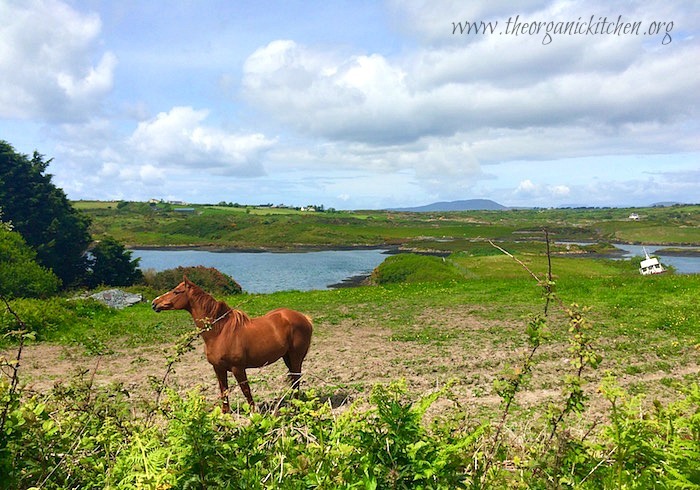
<point x="462" y="205"/>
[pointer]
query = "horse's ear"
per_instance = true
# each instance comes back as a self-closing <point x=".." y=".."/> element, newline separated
<point x="186" y="280"/>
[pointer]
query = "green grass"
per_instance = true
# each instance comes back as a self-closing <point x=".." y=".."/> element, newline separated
<point x="644" y="327"/>
<point x="658" y="233"/>
<point x="407" y="268"/>
<point x="251" y="227"/>
<point x="622" y="301"/>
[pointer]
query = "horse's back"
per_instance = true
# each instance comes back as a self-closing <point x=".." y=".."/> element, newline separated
<point x="296" y="319"/>
<point x="297" y="325"/>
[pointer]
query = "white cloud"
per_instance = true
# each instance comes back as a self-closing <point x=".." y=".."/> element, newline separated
<point x="179" y="138"/>
<point x="450" y="108"/>
<point x="560" y="190"/>
<point x="598" y="87"/>
<point x="175" y="151"/>
<point x="47" y="67"/>
<point x="526" y="186"/>
<point x="96" y="82"/>
<point x="534" y="192"/>
<point x="150" y="173"/>
<point x="360" y="98"/>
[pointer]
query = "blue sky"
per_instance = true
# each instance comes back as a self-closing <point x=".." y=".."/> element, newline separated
<point x="355" y="104"/>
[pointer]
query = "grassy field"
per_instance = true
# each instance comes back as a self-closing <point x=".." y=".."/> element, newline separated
<point x="469" y="334"/>
<point x="644" y="324"/>
<point x="249" y="227"/>
<point x="458" y="333"/>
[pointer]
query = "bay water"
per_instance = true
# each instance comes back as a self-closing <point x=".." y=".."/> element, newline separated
<point x="267" y="272"/>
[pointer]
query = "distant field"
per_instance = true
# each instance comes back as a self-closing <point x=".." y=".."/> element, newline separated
<point x="274" y="228"/>
<point x="88" y="205"/>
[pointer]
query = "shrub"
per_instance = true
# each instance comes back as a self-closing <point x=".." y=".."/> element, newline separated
<point x="67" y="439"/>
<point x="414" y="268"/>
<point x="20" y="274"/>
<point x="208" y="278"/>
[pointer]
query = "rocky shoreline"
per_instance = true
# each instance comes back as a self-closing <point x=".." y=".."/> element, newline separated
<point x="675" y="252"/>
<point x="352" y="282"/>
<point x="292" y="249"/>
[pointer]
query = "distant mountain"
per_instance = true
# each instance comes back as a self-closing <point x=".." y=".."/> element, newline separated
<point x="464" y="205"/>
<point x="664" y="204"/>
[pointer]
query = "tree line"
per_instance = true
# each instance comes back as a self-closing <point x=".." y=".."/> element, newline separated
<point x="45" y="243"/>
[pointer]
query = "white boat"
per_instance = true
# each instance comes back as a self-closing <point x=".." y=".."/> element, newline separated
<point x="650" y="265"/>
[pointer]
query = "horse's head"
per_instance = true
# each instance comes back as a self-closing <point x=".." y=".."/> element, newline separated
<point x="177" y="298"/>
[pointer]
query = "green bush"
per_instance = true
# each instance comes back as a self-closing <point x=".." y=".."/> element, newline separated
<point x="20" y="275"/>
<point x="68" y="439"/>
<point x="84" y="436"/>
<point x="201" y="226"/>
<point x="207" y="278"/>
<point x="81" y="436"/>
<point x="414" y="268"/>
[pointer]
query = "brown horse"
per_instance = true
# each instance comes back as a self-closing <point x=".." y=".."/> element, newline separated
<point x="233" y="341"/>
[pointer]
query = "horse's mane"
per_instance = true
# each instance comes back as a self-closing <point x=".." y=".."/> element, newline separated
<point x="215" y="309"/>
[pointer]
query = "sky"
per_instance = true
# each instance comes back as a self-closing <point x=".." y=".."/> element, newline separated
<point x="357" y="104"/>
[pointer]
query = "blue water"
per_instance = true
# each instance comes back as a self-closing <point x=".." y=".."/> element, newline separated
<point x="269" y="272"/>
<point x="683" y="265"/>
<point x="305" y="271"/>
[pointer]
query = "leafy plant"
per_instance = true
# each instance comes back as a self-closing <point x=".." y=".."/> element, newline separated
<point x="208" y="278"/>
<point x="20" y="275"/>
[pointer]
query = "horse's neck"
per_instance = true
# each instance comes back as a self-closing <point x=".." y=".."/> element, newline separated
<point x="207" y="313"/>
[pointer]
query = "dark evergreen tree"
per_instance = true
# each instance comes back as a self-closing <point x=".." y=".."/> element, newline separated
<point x="42" y="214"/>
<point x="109" y="263"/>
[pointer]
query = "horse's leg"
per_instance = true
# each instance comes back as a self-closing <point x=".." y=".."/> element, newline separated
<point x="290" y="374"/>
<point x="293" y="361"/>
<point x="222" y="376"/>
<point x="242" y="379"/>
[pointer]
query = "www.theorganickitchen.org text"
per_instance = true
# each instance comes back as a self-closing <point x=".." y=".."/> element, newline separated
<point x="583" y="26"/>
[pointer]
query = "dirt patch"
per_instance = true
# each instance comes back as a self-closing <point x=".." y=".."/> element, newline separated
<point x="450" y="345"/>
